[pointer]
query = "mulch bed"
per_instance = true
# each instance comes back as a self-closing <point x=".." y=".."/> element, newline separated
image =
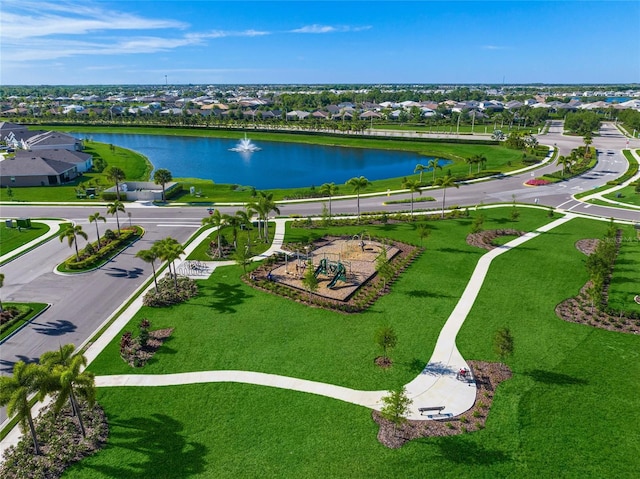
<point x="580" y="310"/>
<point x="139" y="356"/>
<point x="363" y="297"/>
<point x="61" y="444"/>
<point x="484" y="239"/>
<point x="488" y="376"/>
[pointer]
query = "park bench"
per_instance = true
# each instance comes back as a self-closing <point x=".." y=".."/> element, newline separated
<point x="427" y="409"/>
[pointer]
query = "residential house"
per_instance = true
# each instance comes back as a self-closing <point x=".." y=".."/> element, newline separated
<point x="43" y="168"/>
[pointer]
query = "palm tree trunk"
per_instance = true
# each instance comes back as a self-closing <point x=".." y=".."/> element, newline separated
<point x="32" y="429"/>
<point x="76" y="411"/>
<point x="118" y="222"/>
<point x="444" y="195"/>
<point x="75" y="243"/>
<point x="155" y="280"/>
<point x="98" y="234"/>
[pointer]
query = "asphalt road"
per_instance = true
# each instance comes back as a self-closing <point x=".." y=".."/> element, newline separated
<point x="81" y="303"/>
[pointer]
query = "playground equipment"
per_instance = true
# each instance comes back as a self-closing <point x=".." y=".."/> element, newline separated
<point x="332" y="268"/>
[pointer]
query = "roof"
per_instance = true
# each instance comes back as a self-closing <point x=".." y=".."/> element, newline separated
<point x="33" y="166"/>
<point x="66" y="156"/>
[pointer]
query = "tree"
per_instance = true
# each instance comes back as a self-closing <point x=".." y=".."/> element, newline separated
<point x="71" y="233"/>
<point x="470" y="161"/>
<point x="358" y="184"/>
<point x="387" y="339"/>
<point x="396" y="407"/>
<point x="383" y="267"/>
<point x="15" y="391"/>
<point x="242" y="256"/>
<point x="423" y="233"/>
<point x="244" y="221"/>
<point x="94" y="218"/>
<point x="565" y="161"/>
<point x="588" y="140"/>
<point x="434" y="165"/>
<point x="1" y="285"/>
<point x="263" y="205"/>
<point x="480" y="160"/>
<point x="113" y="209"/>
<point x="162" y="176"/>
<point x="150" y="256"/>
<point x="310" y="280"/>
<point x="445" y="182"/>
<point x="420" y="168"/>
<point x="503" y="343"/>
<point x="218" y="220"/>
<point x="413" y="186"/>
<point x="116" y="175"/>
<point x="329" y="189"/>
<point x="169" y="250"/>
<point x="68" y="378"/>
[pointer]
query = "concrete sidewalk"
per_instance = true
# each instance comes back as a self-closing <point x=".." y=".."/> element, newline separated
<point x="436" y="385"/>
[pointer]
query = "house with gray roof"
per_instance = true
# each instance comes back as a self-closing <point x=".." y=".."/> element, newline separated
<point x="43" y="167"/>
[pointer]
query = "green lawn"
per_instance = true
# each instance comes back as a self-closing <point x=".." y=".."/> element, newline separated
<point x="258" y="246"/>
<point x="28" y="311"/>
<point x="625" y="283"/>
<point x="626" y="195"/>
<point x="135" y="166"/>
<point x="11" y="238"/>
<point x="253" y="330"/>
<point x="452" y="128"/>
<point x="571" y="409"/>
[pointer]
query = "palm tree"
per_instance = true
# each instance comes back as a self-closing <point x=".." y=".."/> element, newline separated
<point x="15" y="391"/>
<point x="470" y="161"/>
<point x="94" y="218"/>
<point x="588" y="140"/>
<point x="234" y="223"/>
<point x="68" y="378"/>
<point x="480" y="160"/>
<point x="150" y="256"/>
<point x="267" y="205"/>
<point x="169" y="250"/>
<point x="413" y="186"/>
<point x="244" y="221"/>
<point x="71" y="234"/>
<point x="162" y="176"/>
<point x="434" y="164"/>
<point x="116" y="175"/>
<point x="423" y="232"/>
<point x="445" y="182"/>
<point x="113" y="209"/>
<point x="565" y="161"/>
<point x="358" y="184"/>
<point x="329" y="189"/>
<point x="1" y="285"/>
<point x="257" y="208"/>
<point x="217" y="220"/>
<point x="420" y="168"/>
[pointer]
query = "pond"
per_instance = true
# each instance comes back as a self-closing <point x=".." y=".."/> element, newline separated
<point x="275" y="165"/>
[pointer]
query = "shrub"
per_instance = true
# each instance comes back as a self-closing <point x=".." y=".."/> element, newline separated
<point x="110" y="235"/>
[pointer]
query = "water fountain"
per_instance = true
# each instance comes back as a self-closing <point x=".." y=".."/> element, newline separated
<point x="245" y="146"/>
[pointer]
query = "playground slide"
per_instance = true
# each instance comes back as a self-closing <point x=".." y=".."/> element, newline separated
<point x="339" y="276"/>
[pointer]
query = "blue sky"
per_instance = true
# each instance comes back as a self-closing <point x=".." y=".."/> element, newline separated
<point x="213" y="42"/>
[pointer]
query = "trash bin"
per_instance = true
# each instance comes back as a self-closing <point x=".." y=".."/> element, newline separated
<point x="23" y="222"/>
<point x="8" y="223"/>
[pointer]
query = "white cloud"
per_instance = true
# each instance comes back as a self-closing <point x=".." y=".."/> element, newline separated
<point x="315" y="28"/>
<point x="494" y="47"/>
<point x="27" y="20"/>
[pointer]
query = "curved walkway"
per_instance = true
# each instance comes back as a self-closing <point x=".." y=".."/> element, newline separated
<point x="436" y="385"/>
